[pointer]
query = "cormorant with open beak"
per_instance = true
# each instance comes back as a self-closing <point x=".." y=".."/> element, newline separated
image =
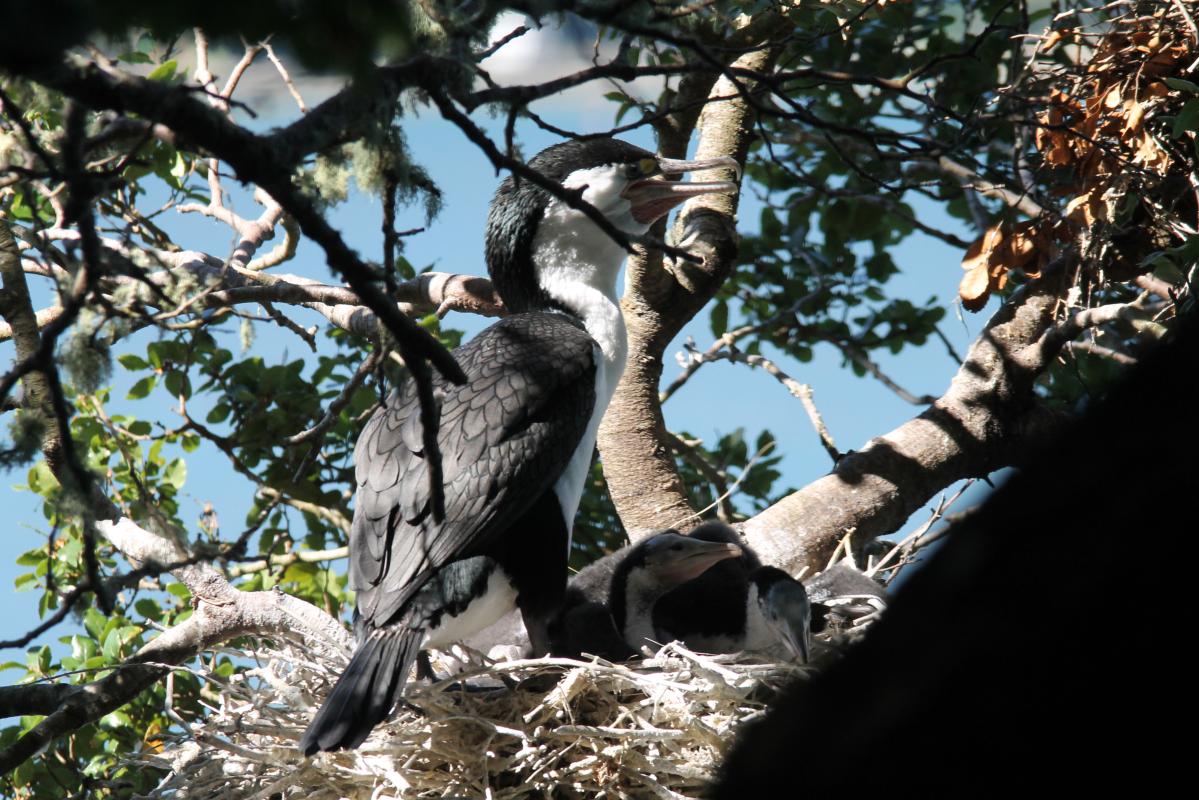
<point x="516" y="439"/>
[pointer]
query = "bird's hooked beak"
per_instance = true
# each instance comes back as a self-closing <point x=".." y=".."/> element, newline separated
<point x="789" y="612"/>
<point x="652" y="198"/>
<point x="695" y="559"/>
<point x="795" y="636"/>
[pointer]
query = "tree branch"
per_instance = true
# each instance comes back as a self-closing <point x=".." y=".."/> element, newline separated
<point x="641" y="473"/>
<point x="972" y="180"/>
<point x="859" y="357"/>
<point x="985" y="421"/>
<point x="221" y="612"/>
<point x="268" y="161"/>
<point x="28" y="699"/>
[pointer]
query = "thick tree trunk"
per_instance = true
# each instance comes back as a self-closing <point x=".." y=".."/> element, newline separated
<point x="641" y="473"/>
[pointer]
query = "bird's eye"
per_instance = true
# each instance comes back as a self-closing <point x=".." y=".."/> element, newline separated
<point x="640" y="168"/>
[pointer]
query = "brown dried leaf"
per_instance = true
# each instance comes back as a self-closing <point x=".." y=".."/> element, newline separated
<point x="975" y="288"/>
<point x="1151" y="155"/>
<point x="1022" y="244"/>
<point x="1080" y="209"/>
<point x="1134" y="114"/>
<point x="1051" y="40"/>
<point x="980" y="250"/>
<point x="1155" y="90"/>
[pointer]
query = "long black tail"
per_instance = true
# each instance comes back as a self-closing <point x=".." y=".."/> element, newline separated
<point x="366" y="692"/>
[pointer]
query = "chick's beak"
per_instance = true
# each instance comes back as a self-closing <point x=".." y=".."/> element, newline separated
<point x="652" y="198"/>
<point x="796" y="638"/>
<point x="697" y="558"/>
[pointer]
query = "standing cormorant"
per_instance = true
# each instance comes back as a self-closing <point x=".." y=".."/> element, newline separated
<point x="516" y="439"/>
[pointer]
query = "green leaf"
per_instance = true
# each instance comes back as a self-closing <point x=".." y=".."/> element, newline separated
<point x="41" y="479"/>
<point x="179" y="168"/>
<point x="772" y="228"/>
<point x="1187" y="118"/>
<point x="148" y="608"/>
<point x="112" y="646"/>
<point x="116" y="721"/>
<point x="70" y="552"/>
<point x="720" y="318"/>
<point x="142" y="388"/>
<point x="176" y="473"/>
<point x="624" y="109"/>
<point x="93" y="622"/>
<point x="178" y="383"/>
<point x="164" y="71"/>
<point x="1182" y="85"/>
<point x="130" y="361"/>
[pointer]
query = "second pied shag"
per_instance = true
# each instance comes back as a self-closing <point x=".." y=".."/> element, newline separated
<point x="737" y="605"/>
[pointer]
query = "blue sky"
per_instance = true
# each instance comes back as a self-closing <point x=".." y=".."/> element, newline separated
<point x="720" y="398"/>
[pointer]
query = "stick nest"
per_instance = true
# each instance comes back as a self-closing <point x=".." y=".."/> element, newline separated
<point x="548" y="727"/>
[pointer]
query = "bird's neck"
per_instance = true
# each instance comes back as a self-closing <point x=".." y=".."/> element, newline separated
<point x="758" y="633"/>
<point x="598" y="309"/>
<point x="641" y="592"/>
<point x="577" y="266"/>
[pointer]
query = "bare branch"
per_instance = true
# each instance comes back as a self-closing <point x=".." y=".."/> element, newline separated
<point x="42" y="318"/>
<point x="323" y="512"/>
<point x="33" y="698"/>
<point x="268" y="161"/>
<point x="221" y="612"/>
<point x="286" y="559"/>
<point x="800" y="391"/>
<point x="1017" y="200"/>
<point x="1102" y="352"/>
<point x="985" y="421"/>
<point x="855" y="354"/>
<point x="287" y="81"/>
<point x="719" y="479"/>
<point x="341" y="401"/>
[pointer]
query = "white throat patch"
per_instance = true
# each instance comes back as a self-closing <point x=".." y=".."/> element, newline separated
<point x="577" y="265"/>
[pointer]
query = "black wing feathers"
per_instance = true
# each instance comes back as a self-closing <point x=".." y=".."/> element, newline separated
<point x="505" y="437"/>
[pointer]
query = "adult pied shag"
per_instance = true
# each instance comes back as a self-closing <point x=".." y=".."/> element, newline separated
<point x="516" y="439"/>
